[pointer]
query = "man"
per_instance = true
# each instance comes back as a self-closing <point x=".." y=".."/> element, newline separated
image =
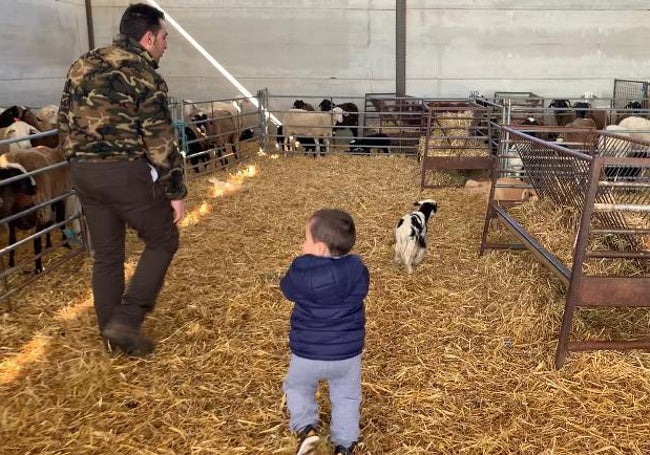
<point x="116" y="131"/>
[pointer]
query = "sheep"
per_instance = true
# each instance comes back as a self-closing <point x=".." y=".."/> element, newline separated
<point x="599" y="116"/>
<point x="47" y="116"/>
<point x="196" y="145"/>
<point x="300" y="104"/>
<point x="190" y="110"/>
<point x="22" y="113"/>
<point x="562" y="111"/>
<point x="612" y="143"/>
<point x="247" y="134"/>
<point x="513" y="163"/>
<point x="614" y="146"/>
<point x="580" y="138"/>
<point x="379" y="141"/>
<point x="232" y="107"/>
<point x="410" y="234"/>
<point x="638" y="127"/>
<point x="300" y="123"/>
<point x="222" y="130"/>
<point x="633" y="108"/>
<point x="36" y="189"/>
<point x="308" y="144"/>
<point x="350" y="115"/>
<point x="20" y="129"/>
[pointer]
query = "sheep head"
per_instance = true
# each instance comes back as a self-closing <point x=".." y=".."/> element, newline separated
<point x="338" y="113"/>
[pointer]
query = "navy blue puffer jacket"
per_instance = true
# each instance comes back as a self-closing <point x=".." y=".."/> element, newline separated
<point x="328" y="320"/>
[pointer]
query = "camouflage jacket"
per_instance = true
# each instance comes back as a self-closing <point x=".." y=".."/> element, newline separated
<point x="115" y="103"/>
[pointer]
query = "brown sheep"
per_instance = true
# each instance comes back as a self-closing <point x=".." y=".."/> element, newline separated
<point x="579" y="138"/>
<point x="222" y="130"/>
<point x="34" y="190"/>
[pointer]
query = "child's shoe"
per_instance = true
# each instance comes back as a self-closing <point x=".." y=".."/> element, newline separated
<point x="340" y="450"/>
<point x="308" y="441"/>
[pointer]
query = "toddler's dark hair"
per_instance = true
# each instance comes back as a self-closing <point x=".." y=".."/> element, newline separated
<point x="335" y="228"/>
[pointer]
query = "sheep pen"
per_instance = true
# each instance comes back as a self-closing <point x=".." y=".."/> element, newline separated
<point x="458" y="356"/>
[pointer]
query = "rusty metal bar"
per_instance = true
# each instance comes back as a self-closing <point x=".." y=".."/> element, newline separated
<point x="614" y="292"/>
<point x="553" y="263"/>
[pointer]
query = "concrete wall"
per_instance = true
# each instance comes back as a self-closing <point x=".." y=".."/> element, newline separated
<point x="40" y="38"/>
<point x="346" y="47"/>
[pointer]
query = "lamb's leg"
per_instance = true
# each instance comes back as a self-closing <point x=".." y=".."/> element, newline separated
<point x="38" y="248"/>
<point x="398" y="249"/>
<point x="221" y="151"/>
<point x="234" y="145"/>
<point x="59" y="216"/>
<point x="326" y="140"/>
<point x="419" y="257"/>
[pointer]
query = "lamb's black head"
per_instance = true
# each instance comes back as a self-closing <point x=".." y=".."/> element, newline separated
<point x="633" y="105"/>
<point x="560" y="104"/>
<point x="581" y="108"/>
<point x="10" y="114"/>
<point x="427" y="207"/>
<point x="326" y="105"/>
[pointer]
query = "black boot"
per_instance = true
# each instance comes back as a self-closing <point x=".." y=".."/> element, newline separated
<point x="127" y="339"/>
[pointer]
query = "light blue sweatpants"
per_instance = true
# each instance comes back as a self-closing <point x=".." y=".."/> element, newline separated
<point x="344" y="379"/>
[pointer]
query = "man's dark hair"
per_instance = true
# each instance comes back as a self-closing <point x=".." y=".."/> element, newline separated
<point x="335" y="228"/>
<point x="139" y="19"/>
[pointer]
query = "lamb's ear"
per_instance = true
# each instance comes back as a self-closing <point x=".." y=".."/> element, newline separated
<point x="416" y="203"/>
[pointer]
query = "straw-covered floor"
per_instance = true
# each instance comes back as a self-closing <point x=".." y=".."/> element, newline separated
<point x="458" y="358"/>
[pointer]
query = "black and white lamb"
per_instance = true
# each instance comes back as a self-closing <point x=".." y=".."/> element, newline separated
<point x="411" y="232"/>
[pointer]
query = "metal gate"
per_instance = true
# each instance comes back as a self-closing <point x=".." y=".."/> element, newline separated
<point x="605" y="184"/>
<point x="627" y="92"/>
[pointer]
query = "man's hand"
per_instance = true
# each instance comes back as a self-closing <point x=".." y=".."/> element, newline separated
<point x="179" y="210"/>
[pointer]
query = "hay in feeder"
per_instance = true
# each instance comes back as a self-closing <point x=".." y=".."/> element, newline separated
<point x="451" y="135"/>
<point x="458" y="356"/>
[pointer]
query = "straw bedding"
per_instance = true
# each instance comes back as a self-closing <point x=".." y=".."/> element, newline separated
<point x="459" y="355"/>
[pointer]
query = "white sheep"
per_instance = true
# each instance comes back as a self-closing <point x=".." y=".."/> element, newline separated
<point x="411" y="232"/>
<point x="300" y="123"/>
<point x="606" y="143"/>
<point x="18" y="130"/>
<point x="190" y="110"/>
<point x="47" y="115"/>
<point x="614" y="146"/>
<point x="638" y="127"/>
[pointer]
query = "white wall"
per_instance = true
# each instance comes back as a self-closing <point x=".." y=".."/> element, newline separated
<point x="40" y="39"/>
<point x="551" y="47"/>
<point x="346" y="47"/>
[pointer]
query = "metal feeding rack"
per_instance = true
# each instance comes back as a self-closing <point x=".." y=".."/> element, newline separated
<point x="605" y="183"/>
